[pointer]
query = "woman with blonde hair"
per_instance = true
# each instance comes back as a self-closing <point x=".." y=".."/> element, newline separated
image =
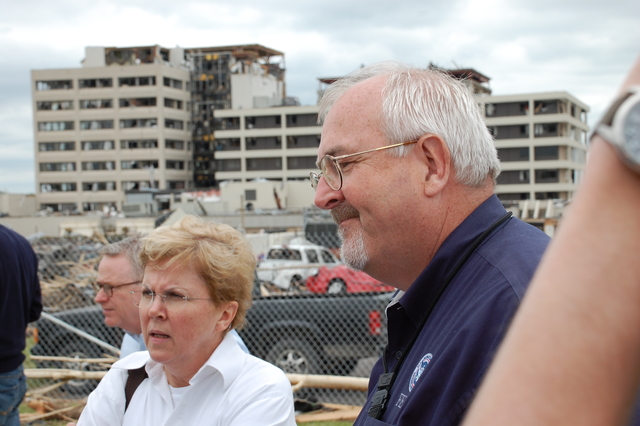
<point x="197" y="284"/>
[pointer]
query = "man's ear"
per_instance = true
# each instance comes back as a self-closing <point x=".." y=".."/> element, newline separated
<point x="435" y="155"/>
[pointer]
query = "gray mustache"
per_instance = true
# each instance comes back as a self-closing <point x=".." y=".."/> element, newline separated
<point x="343" y="212"/>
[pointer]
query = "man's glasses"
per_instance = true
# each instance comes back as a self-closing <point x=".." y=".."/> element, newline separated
<point x="173" y="301"/>
<point x="108" y="288"/>
<point x="330" y="167"/>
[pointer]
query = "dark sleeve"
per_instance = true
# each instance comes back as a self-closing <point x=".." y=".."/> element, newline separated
<point x="35" y="309"/>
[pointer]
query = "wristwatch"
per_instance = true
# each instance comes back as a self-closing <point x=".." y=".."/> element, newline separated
<point x="620" y="126"/>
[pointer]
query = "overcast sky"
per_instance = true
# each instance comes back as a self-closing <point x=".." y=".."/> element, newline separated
<point x="583" y="47"/>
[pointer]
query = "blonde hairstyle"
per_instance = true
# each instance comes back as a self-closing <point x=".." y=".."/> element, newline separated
<point x="220" y="255"/>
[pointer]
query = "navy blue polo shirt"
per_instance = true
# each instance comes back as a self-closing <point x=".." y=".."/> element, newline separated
<point x="445" y="366"/>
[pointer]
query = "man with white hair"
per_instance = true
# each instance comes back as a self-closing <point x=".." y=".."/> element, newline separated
<point x="408" y="169"/>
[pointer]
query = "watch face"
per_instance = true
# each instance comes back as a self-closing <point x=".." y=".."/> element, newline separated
<point x="631" y="133"/>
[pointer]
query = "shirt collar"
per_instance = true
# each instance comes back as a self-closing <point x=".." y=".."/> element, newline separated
<point x="228" y="359"/>
<point x="426" y="286"/>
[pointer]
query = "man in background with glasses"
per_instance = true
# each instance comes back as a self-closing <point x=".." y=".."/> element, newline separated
<point x="408" y="169"/>
<point x="119" y="273"/>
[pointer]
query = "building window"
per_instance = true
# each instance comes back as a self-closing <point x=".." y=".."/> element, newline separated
<point x="93" y="83"/>
<point x="172" y="82"/>
<point x="172" y="103"/>
<point x="98" y="186"/>
<point x="506" y="109"/>
<point x="58" y="187"/>
<point x="303" y="141"/>
<point x="546" y="153"/>
<point x="548" y="107"/>
<point x="545" y="130"/>
<point x="173" y="124"/>
<point x="137" y="102"/>
<point x="136" y="81"/>
<point x="263" y="122"/>
<point x="250" y="195"/>
<point x="54" y="85"/>
<point x="97" y="145"/>
<point x="254" y="164"/>
<point x="99" y="207"/>
<point x="301" y="163"/>
<point x="302" y="120"/>
<point x="513" y="154"/>
<point x="134" y="185"/>
<point x="511" y="177"/>
<point x="54" y="105"/>
<point x="54" y="126"/>
<point x="547" y="195"/>
<point x="98" y="165"/>
<point x="230" y="165"/>
<point x="173" y="144"/>
<point x="547" y="176"/>
<point x="518" y="131"/>
<point x="175" y="184"/>
<point x="139" y="144"/>
<point x="139" y="122"/>
<point x="227" y="123"/>
<point x="228" y="144"/>
<point x="60" y="207"/>
<point x="58" y="167"/>
<point x="56" y="146"/>
<point x="267" y="142"/>
<point x="513" y="196"/>
<point x="139" y="164"/>
<point x="96" y="124"/>
<point x="96" y="103"/>
<point x="174" y="165"/>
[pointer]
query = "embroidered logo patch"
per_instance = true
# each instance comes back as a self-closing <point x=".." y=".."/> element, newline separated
<point x="417" y="372"/>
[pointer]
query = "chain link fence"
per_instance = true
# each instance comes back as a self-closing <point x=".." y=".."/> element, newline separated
<point x="310" y="313"/>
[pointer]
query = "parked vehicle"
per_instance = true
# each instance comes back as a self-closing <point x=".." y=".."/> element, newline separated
<point x="288" y="266"/>
<point x="309" y="333"/>
<point x="342" y="280"/>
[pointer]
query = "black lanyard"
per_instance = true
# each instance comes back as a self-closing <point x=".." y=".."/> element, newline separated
<point x="386" y="380"/>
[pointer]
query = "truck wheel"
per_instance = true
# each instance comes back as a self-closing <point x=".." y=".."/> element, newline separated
<point x="337" y="286"/>
<point x="294" y="356"/>
<point x="296" y="282"/>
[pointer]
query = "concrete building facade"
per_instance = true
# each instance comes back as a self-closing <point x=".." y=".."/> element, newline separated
<point x="119" y="122"/>
<point x="542" y="144"/>
<point x="279" y="143"/>
<point x="140" y="117"/>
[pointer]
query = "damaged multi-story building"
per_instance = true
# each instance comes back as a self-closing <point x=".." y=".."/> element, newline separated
<point x="141" y="117"/>
<point x="174" y="119"/>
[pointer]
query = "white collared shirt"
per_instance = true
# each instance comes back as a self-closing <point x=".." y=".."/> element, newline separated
<point x="231" y="389"/>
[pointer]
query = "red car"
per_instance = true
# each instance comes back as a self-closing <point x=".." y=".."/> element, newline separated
<point x="342" y="280"/>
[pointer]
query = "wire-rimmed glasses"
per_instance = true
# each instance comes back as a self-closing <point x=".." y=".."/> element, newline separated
<point x="330" y="166"/>
<point x="173" y="300"/>
<point x="108" y="288"/>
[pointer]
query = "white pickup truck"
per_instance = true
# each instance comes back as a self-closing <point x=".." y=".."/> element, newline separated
<point x="289" y="266"/>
